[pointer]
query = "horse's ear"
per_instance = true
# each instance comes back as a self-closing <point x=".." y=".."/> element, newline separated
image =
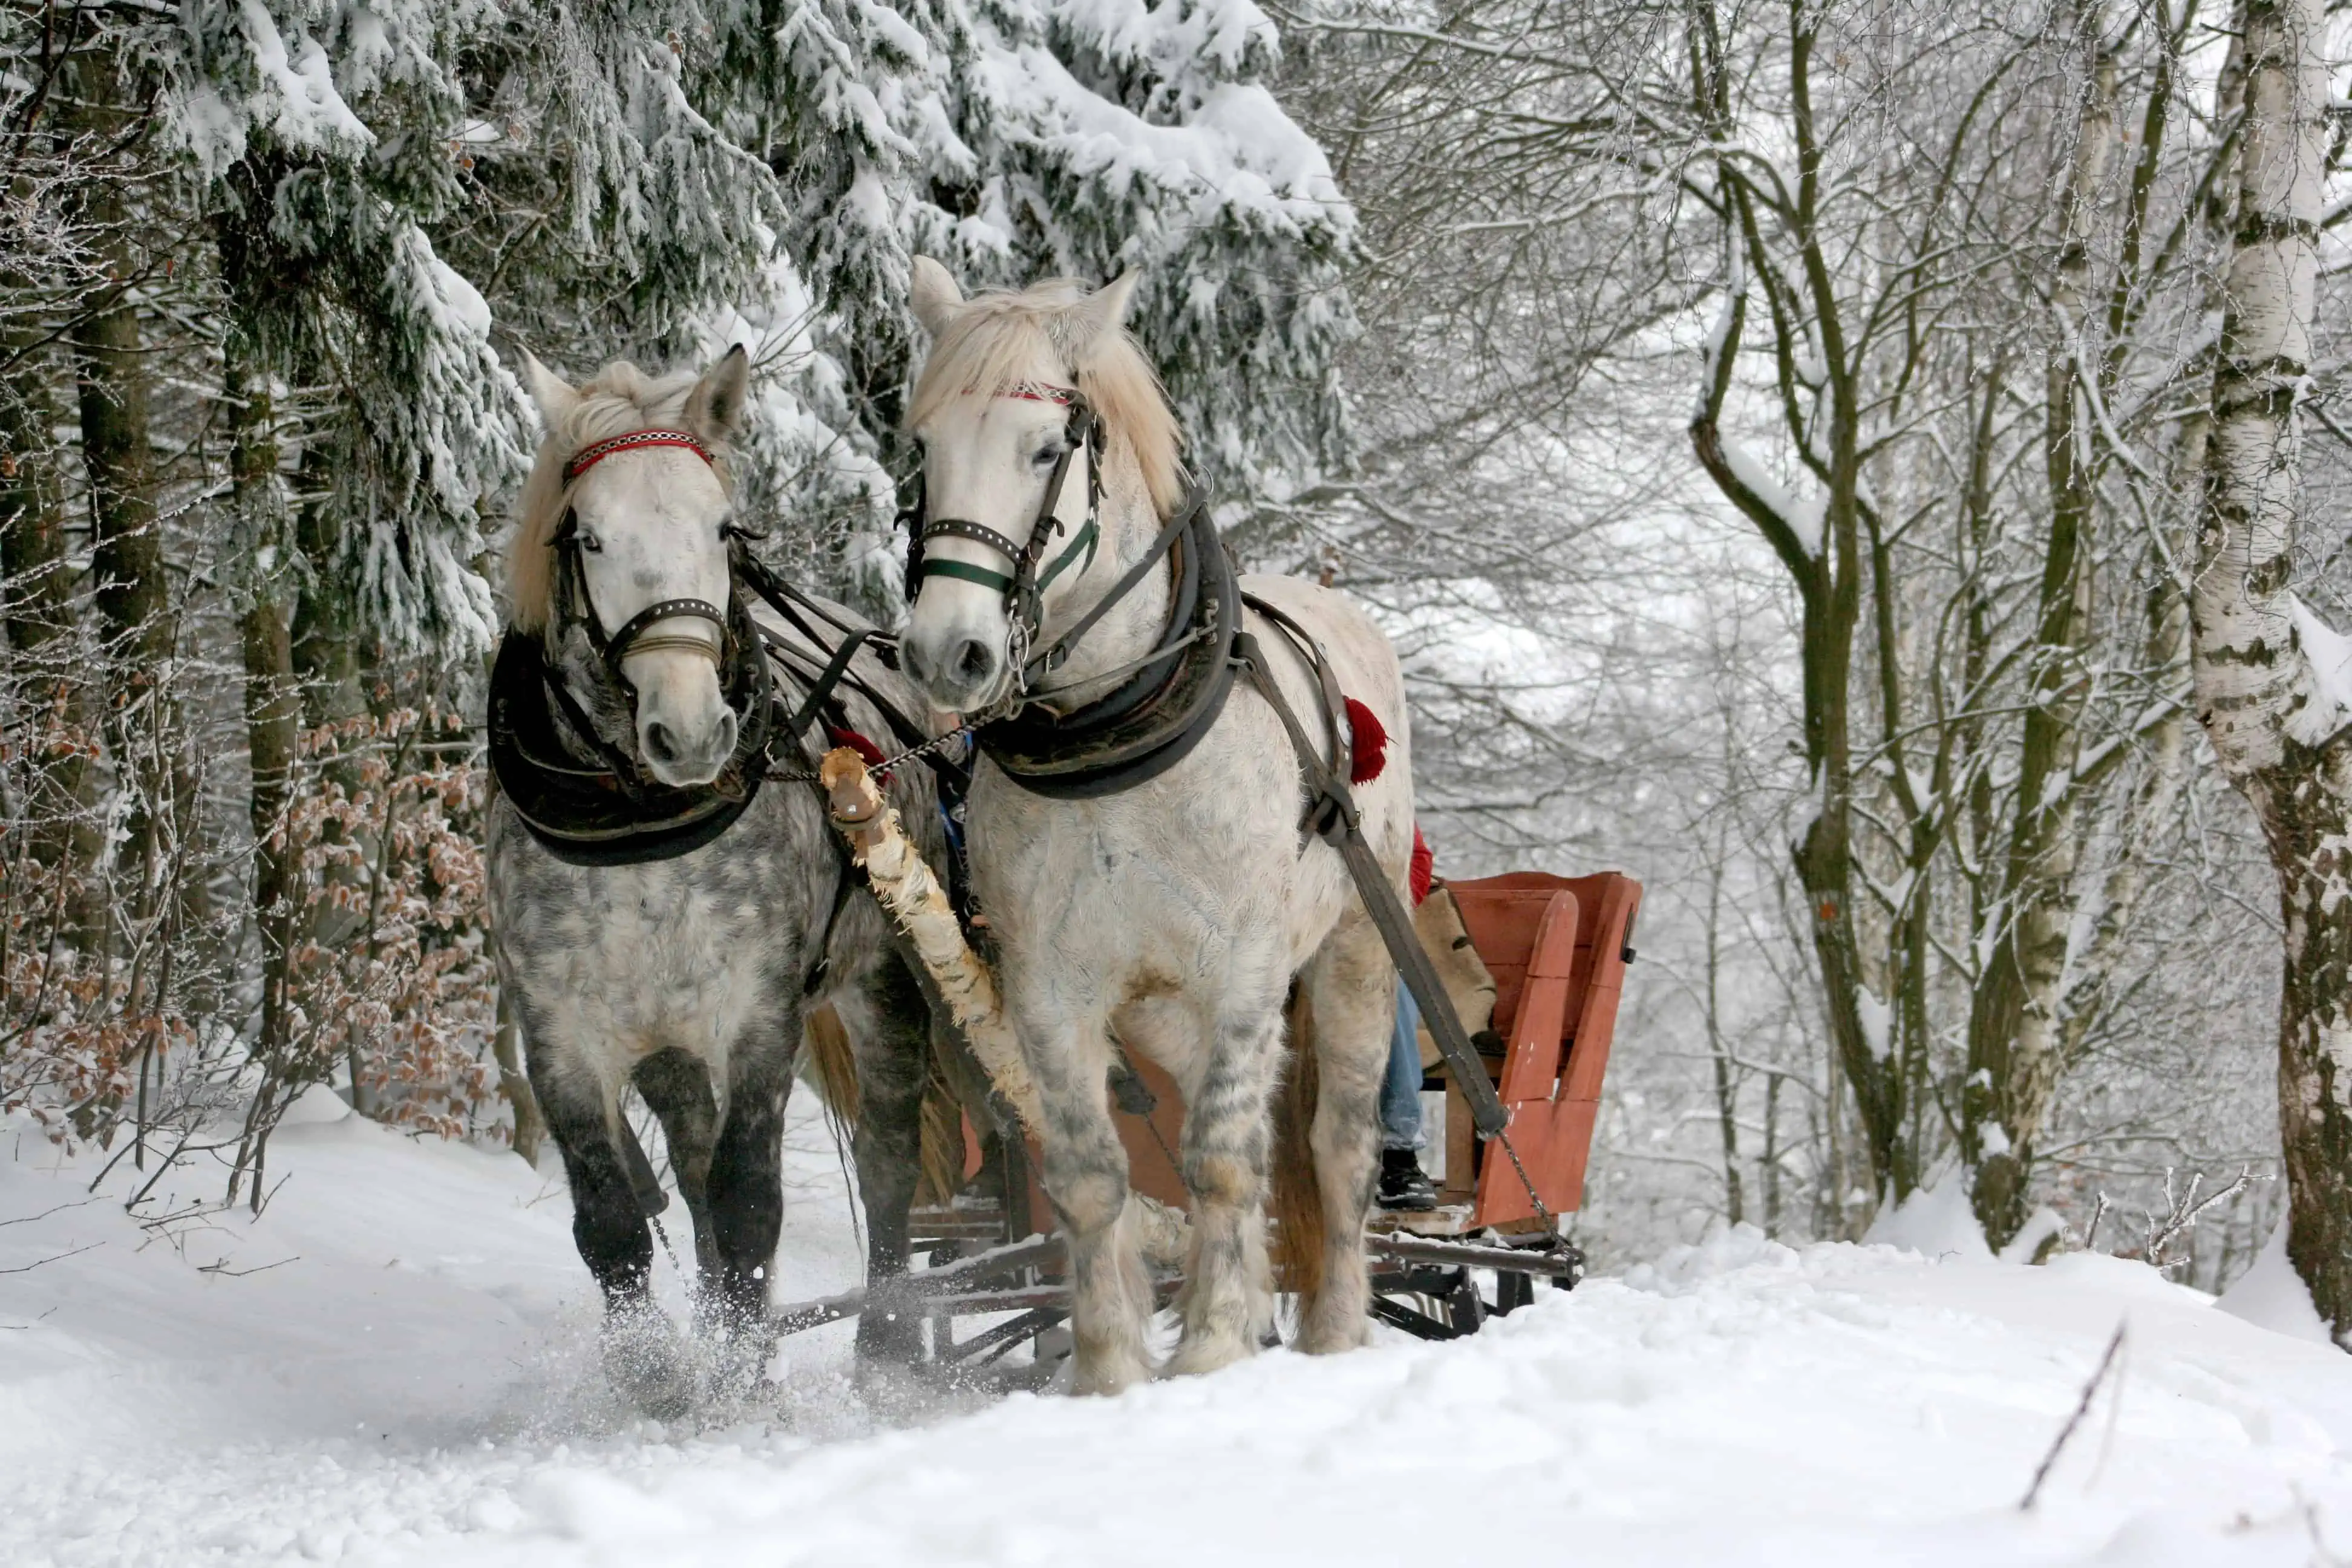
<point x="932" y="291"/>
<point x="555" y="396"/>
<point x="715" y="407"/>
<point x="1101" y="313"/>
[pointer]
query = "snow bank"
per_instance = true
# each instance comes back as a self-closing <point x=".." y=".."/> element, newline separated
<point x="1935" y="1222"/>
<point x="2274" y="1296"/>
<point x="412" y="1385"/>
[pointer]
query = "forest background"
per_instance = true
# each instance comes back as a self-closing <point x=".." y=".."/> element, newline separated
<point x="1814" y="457"/>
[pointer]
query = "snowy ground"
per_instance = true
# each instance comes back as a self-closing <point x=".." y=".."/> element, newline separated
<point x="406" y="1375"/>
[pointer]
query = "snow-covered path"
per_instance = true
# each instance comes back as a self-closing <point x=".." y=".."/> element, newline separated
<point x="415" y="1384"/>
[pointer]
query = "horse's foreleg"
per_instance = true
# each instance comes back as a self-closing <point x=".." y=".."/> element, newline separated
<point x="1085" y="1175"/>
<point x="1227" y="1306"/>
<point x="1351" y="994"/>
<point x="678" y="1087"/>
<point x="893" y="1067"/>
<point x="747" y="1177"/>
<point x="609" y="1227"/>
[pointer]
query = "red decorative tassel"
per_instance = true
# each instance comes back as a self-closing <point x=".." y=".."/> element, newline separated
<point x="1368" y="742"/>
<point x="868" y="751"/>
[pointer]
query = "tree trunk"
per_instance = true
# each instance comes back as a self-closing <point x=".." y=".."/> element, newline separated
<point x="40" y="616"/>
<point x="2015" y="1034"/>
<point x="273" y="708"/>
<point x="2277" y="728"/>
<point x="1726" y="1086"/>
<point x="126" y="544"/>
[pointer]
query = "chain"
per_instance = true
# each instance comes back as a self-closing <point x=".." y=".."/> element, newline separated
<point x="1535" y="1197"/>
<point x="936" y="743"/>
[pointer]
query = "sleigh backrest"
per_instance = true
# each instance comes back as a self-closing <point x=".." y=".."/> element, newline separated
<point x="1557" y="947"/>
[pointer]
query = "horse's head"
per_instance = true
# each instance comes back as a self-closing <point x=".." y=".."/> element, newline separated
<point x="1013" y="388"/>
<point x="623" y="552"/>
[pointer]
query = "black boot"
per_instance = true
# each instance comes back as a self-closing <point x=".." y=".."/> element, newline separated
<point x="1403" y="1186"/>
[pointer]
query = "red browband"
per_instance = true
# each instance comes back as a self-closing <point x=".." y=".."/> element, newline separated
<point x="1036" y="391"/>
<point x="595" y="452"/>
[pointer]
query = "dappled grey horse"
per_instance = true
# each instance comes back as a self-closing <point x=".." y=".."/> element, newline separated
<point x="665" y="918"/>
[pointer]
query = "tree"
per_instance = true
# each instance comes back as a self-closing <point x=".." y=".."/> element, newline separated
<point x="2274" y="682"/>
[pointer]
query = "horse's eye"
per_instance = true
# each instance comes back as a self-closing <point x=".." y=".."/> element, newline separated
<point x="591" y="544"/>
<point x="1048" y="454"/>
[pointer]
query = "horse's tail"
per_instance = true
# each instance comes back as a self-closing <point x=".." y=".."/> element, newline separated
<point x="940" y="1152"/>
<point x="831" y="1067"/>
<point x="1298" y="1203"/>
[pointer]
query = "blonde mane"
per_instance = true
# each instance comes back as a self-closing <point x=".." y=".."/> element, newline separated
<point x="995" y="343"/>
<point x="619" y="399"/>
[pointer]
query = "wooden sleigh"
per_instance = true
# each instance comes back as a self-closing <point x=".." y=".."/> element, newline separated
<point x="1535" y="964"/>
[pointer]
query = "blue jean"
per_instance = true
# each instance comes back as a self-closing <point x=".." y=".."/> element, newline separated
<point x="1401" y="1089"/>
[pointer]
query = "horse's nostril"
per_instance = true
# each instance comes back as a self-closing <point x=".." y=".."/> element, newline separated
<point x="974" y="660"/>
<point x="660" y="744"/>
<point x="726" y="738"/>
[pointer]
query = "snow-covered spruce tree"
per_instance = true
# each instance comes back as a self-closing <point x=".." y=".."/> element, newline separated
<point x="662" y="181"/>
<point x="320" y="139"/>
<point x="1127" y="136"/>
<point x="2274" y="682"/>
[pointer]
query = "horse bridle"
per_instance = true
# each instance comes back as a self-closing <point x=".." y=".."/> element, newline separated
<point x="1024" y="586"/>
<point x="632" y="637"/>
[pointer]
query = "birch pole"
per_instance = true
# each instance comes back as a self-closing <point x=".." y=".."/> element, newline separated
<point x="2271" y="686"/>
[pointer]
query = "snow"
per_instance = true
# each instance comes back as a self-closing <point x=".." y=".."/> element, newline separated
<point x="2328" y="654"/>
<point x="1934" y="1221"/>
<point x="1803" y="515"/>
<point x="1877" y="1020"/>
<point x="413" y="1382"/>
<point x="311" y="113"/>
<point x="2274" y="1296"/>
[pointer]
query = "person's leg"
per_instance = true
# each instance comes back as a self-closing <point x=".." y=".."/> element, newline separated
<point x="1403" y="1184"/>
<point x="1401" y="1091"/>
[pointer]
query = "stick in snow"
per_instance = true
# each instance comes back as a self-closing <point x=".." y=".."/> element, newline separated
<point x="2090" y="1391"/>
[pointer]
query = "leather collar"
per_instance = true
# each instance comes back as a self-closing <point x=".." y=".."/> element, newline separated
<point x="1153" y="719"/>
<point x="608" y="811"/>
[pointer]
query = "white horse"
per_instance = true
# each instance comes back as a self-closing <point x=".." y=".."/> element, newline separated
<point x="1176" y="914"/>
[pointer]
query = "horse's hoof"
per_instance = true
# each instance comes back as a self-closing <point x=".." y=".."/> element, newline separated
<point x="1107" y="1375"/>
<point x="738" y="1354"/>
<point x="1208" y="1354"/>
<point x="643" y="1360"/>
<point x="889" y="1339"/>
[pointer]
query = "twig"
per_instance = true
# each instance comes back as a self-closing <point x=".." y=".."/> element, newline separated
<point x="2183" y="1210"/>
<point x="34" y="1218"/>
<point x="2099" y="1213"/>
<point x="77" y="1252"/>
<point x="2090" y="1390"/>
<point x="226" y="1272"/>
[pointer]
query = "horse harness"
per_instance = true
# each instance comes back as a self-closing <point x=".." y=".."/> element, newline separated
<point x="617" y="814"/>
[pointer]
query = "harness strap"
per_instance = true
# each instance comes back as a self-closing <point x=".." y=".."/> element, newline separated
<point x="843" y="884"/>
<point x="1049" y="658"/>
<point x="595" y="452"/>
<point x="1310" y="653"/>
<point x="821" y="690"/>
<point x="788" y="600"/>
<point x="1341" y="826"/>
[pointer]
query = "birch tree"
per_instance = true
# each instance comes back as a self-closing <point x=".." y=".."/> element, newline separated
<point x="2273" y="683"/>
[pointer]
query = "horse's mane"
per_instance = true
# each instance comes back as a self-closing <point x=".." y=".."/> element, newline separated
<point x="618" y="399"/>
<point x="994" y="342"/>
